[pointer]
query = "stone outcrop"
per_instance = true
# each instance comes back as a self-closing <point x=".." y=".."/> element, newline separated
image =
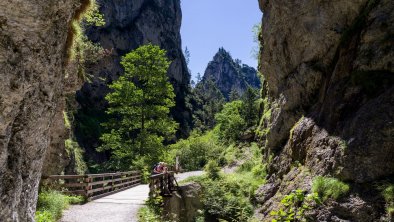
<point x="329" y="74"/>
<point x="130" y="24"/>
<point x="33" y="36"/>
<point x="230" y="75"/>
<point x="184" y="204"/>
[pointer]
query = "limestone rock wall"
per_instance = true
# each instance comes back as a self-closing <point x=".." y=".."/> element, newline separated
<point x="184" y="204"/>
<point x="33" y="35"/>
<point x="328" y="67"/>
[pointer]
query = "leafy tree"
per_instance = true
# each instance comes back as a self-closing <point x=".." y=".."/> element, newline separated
<point x="207" y="100"/>
<point x="250" y="108"/>
<point x="230" y="121"/>
<point x="140" y="102"/>
<point x="199" y="78"/>
<point x="187" y="55"/>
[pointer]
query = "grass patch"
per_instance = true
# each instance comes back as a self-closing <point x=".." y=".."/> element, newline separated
<point x="388" y="194"/>
<point x="327" y="187"/>
<point x="147" y="214"/>
<point x="51" y="204"/>
<point x="295" y="125"/>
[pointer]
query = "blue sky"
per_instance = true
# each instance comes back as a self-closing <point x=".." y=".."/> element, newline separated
<point x="210" y="24"/>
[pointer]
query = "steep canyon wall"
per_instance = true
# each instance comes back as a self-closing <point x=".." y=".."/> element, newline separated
<point x="33" y="36"/>
<point x="328" y="67"/>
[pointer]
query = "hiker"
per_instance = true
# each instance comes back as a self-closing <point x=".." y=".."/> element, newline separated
<point x="159" y="168"/>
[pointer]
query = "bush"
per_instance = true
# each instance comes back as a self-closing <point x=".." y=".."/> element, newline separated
<point x="328" y="187"/>
<point x="388" y="194"/>
<point x="225" y="199"/>
<point x="294" y="206"/>
<point x="196" y="151"/>
<point x="212" y="169"/>
<point x="230" y="122"/>
<point x="51" y="204"/>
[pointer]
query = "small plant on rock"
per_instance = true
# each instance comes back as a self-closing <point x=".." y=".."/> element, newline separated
<point x="294" y="206"/>
<point x="328" y="187"/>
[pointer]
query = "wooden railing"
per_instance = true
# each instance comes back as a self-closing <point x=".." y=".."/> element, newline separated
<point x="94" y="186"/>
<point x="162" y="184"/>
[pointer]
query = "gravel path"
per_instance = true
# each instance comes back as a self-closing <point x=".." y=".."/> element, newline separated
<point x="119" y="207"/>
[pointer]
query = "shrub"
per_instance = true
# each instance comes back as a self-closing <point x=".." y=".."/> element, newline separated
<point x="230" y="121"/>
<point x="328" y="187"/>
<point x="224" y="199"/>
<point x="51" y="204"/>
<point x="294" y="206"/>
<point x="196" y="151"/>
<point x="213" y="170"/>
<point x="388" y="193"/>
<point x="147" y="214"/>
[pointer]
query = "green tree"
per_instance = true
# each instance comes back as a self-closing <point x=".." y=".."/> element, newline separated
<point x="250" y="108"/>
<point x="140" y="103"/>
<point x="230" y="121"/>
<point x="234" y="95"/>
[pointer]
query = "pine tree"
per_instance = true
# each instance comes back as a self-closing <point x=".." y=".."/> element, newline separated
<point x="140" y="103"/>
<point x="250" y="110"/>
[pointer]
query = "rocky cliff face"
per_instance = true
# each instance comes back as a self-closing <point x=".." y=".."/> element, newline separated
<point x="329" y="73"/>
<point x="229" y="74"/>
<point x="130" y="24"/>
<point x="33" y="36"/>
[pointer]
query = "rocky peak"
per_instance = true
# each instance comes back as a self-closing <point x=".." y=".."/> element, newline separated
<point x="229" y="74"/>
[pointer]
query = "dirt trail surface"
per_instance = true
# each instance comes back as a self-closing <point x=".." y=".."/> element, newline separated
<point x="119" y="207"/>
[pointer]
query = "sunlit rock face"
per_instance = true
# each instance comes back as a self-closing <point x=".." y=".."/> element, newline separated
<point x="230" y="75"/>
<point x="328" y="68"/>
<point x="130" y="24"/>
<point x="33" y="36"/>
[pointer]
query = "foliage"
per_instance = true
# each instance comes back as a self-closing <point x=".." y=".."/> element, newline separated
<point x="76" y="154"/>
<point x="147" y="214"/>
<point x="140" y="103"/>
<point x="51" y="204"/>
<point x="327" y="187"/>
<point x="67" y="123"/>
<point x="230" y="121"/>
<point x="195" y="151"/>
<point x="226" y="198"/>
<point x="256" y="29"/>
<point x="212" y="168"/>
<point x="229" y="196"/>
<point x="249" y="111"/>
<point x="294" y="206"/>
<point x="206" y="101"/>
<point x="93" y="16"/>
<point x="152" y="210"/>
<point x="388" y="194"/>
<point x="232" y="154"/>
<point x="234" y="95"/>
<point x="253" y="157"/>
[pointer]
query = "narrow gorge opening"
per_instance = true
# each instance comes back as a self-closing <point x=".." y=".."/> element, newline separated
<point x="300" y="130"/>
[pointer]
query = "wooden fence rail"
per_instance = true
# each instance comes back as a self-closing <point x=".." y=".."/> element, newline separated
<point x="94" y="186"/>
<point x="162" y="184"/>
